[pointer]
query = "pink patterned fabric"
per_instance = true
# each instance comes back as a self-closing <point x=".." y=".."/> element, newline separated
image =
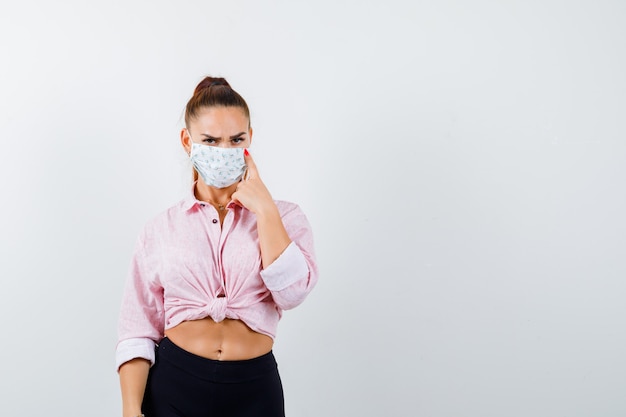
<point x="187" y="267"/>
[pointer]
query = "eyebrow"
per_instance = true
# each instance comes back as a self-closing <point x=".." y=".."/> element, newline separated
<point x="232" y="137"/>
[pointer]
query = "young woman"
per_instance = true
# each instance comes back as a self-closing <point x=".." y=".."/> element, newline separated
<point x="210" y="278"/>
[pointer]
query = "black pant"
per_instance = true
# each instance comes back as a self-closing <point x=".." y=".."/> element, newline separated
<point x="181" y="384"/>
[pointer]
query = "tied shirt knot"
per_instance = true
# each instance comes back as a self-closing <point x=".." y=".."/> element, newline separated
<point x="217" y="308"/>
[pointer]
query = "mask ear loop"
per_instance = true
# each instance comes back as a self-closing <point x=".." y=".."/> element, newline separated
<point x="191" y="142"/>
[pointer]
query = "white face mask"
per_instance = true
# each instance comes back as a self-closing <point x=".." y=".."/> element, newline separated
<point x="218" y="167"/>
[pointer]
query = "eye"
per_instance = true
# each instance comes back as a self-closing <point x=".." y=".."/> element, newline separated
<point x="209" y="141"/>
<point x="238" y="140"/>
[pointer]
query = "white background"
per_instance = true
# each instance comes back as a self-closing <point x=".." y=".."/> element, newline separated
<point x="461" y="162"/>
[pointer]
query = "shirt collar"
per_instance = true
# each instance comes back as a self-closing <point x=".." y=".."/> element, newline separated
<point x="191" y="201"/>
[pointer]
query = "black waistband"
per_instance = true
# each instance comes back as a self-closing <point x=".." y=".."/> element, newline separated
<point x="215" y="370"/>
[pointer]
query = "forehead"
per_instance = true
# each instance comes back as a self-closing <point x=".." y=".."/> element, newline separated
<point x="220" y="121"/>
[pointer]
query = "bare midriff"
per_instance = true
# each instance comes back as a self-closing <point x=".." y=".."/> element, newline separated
<point x="228" y="340"/>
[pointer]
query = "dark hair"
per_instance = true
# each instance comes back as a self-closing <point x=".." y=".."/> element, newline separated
<point x="214" y="92"/>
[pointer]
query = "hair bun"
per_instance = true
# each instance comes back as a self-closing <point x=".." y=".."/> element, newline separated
<point x="214" y="92"/>
<point x="209" y="82"/>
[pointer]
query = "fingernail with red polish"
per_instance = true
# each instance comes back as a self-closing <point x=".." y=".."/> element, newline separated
<point x="245" y="152"/>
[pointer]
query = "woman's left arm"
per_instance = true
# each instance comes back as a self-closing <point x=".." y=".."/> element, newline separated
<point x="287" y="255"/>
<point x="253" y="195"/>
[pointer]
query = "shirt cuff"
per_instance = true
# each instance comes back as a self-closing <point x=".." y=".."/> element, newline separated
<point x="289" y="268"/>
<point x="140" y="347"/>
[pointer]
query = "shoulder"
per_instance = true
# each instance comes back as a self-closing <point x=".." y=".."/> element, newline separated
<point x="286" y="208"/>
<point x="292" y="215"/>
<point x="166" y="219"/>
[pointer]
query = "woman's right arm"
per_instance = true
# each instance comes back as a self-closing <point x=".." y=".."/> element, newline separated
<point x="133" y="378"/>
<point x="140" y="326"/>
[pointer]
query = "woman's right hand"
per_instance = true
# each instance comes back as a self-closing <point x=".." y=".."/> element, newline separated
<point x="133" y="379"/>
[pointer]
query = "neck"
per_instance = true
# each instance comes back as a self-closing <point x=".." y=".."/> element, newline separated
<point x="214" y="195"/>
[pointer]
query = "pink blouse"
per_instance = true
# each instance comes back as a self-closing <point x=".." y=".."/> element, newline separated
<point x="187" y="267"/>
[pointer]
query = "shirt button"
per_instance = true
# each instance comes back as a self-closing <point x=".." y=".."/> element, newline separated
<point x="214" y="221"/>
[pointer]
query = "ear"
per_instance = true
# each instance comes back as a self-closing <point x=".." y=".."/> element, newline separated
<point x="250" y="135"/>
<point x="185" y="140"/>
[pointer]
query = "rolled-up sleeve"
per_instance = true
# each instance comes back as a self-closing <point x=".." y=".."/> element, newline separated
<point x="141" y="320"/>
<point x="292" y="276"/>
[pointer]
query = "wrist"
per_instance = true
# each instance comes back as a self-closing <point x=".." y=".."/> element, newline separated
<point x="133" y="412"/>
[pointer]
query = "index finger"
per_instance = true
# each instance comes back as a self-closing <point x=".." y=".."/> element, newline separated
<point x="252" y="171"/>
